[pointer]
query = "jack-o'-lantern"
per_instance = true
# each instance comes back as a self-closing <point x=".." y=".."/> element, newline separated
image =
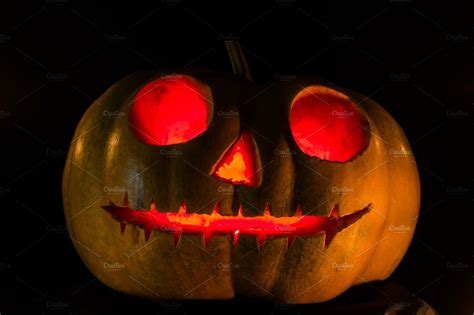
<point x="202" y="185"/>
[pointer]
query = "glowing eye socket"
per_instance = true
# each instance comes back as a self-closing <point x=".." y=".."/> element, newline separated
<point x="170" y="110"/>
<point x="327" y="125"/>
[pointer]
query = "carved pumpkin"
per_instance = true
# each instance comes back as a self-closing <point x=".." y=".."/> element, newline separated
<point x="197" y="185"/>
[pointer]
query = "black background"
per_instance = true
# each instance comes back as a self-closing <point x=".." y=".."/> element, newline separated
<point x="57" y="56"/>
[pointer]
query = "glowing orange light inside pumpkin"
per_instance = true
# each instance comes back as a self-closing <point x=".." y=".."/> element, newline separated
<point x="240" y="164"/>
<point x="326" y="124"/>
<point x="262" y="227"/>
<point x="170" y="110"/>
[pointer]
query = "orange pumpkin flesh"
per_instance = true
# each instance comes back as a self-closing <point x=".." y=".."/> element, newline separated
<point x="107" y="159"/>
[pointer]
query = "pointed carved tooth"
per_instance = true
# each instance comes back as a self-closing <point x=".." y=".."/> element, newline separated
<point x="152" y="205"/>
<point x="122" y="227"/>
<point x="261" y="240"/>
<point x="182" y="208"/>
<point x="291" y="240"/>
<point x="176" y="237"/>
<point x="125" y="200"/>
<point x="207" y="238"/>
<point x="240" y="214"/>
<point x="335" y="212"/>
<point x="235" y="239"/>
<point x="299" y="212"/>
<point x="148" y="231"/>
<point x="266" y="212"/>
<point x="216" y="209"/>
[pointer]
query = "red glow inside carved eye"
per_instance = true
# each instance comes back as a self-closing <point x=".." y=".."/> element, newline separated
<point x="326" y="124"/>
<point x="240" y="164"/>
<point x="170" y="110"/>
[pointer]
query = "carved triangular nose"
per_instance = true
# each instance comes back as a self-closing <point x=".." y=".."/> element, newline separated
<point x="240" y="164"/>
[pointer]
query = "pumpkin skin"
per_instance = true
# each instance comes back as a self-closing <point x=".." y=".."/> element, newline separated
<point x="105" y="155"/>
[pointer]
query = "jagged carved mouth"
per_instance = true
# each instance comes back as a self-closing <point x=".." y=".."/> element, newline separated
<point x="262" y="227"/>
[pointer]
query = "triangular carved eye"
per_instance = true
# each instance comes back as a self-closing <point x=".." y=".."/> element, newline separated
<point x="326" y="124"/>
<point x="240" y="164"/>
<point x="170" y="110"/>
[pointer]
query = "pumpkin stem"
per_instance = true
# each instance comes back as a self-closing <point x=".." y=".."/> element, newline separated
<point x="237" y="59"/>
